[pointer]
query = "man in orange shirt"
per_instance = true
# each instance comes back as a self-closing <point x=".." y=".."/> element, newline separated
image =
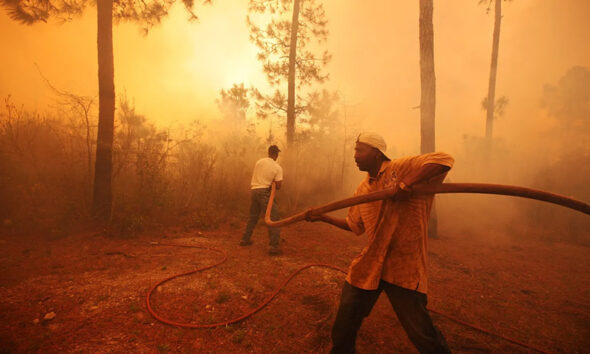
<point x="395" y="257"/>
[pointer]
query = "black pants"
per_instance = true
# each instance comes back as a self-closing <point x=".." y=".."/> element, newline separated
<point x="409" y="305"/>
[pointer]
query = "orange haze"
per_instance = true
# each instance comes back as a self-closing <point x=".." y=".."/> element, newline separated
<point x="174" y="74"/>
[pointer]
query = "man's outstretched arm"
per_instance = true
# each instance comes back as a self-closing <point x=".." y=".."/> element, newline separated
<point x="341" y="223"/>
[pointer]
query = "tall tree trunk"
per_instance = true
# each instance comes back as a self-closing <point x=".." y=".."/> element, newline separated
<point x="427" y="92"/>
<point x="103" y="195"/>
<point x="427" y="78"/>
<point x="493" y="70"/>
<point x="291" y="78"/>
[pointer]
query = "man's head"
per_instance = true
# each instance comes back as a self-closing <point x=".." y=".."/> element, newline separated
<point x="273" y="152"/>
<point x="369" y="151"/>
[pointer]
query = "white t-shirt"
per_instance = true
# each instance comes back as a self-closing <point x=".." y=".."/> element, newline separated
<point x="266" y="170"/>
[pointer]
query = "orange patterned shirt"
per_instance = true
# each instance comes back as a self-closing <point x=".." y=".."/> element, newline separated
<point x="397" y="246"/>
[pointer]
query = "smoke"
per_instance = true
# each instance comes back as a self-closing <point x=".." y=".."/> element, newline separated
<point x="556" y="160"/>
<point x="175" y="75"/>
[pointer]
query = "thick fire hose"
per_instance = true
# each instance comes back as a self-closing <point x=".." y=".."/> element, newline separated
<point x="436" y="189"/>
<point x="481" y="188"/>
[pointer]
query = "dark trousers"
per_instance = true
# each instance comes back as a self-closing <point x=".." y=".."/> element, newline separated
<point x="409" y="305"/>
<point x="258" y="202"/>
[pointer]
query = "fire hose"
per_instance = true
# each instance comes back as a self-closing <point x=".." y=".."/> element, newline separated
<point x="481" y="188"/>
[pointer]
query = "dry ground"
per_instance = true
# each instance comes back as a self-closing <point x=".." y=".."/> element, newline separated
<point x="532" y="291"/>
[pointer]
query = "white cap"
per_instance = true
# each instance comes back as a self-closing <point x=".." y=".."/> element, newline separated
<point x="374" y="140"/>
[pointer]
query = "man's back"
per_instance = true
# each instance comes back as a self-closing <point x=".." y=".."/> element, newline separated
<point x="266" y="170"/>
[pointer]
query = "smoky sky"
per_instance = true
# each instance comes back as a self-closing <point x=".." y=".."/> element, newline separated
<point x="174" y="74"/>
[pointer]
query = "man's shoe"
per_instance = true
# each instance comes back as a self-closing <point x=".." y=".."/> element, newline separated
<point x="275" y="251"/>
<point x="245" y="243"/>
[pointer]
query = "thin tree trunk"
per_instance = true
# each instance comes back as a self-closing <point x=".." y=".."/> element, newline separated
<point x="88" y="156"/>
<point x="493" y="70"/>
<point x="102" y="196"/>
<point x="427" y="77"/>
<point x="428" y="93"/>
<point x="291" y="78"/>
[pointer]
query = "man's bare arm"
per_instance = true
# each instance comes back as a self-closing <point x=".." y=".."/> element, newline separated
<point x="341" y="223"/>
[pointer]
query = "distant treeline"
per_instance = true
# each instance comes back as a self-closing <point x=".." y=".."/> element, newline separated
<point x="196" y="175"/>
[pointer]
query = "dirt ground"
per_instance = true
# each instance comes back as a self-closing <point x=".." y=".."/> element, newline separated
<point x="85" y="292"/>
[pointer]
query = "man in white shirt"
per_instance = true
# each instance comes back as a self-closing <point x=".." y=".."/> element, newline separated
<point x="266" y="171"/>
